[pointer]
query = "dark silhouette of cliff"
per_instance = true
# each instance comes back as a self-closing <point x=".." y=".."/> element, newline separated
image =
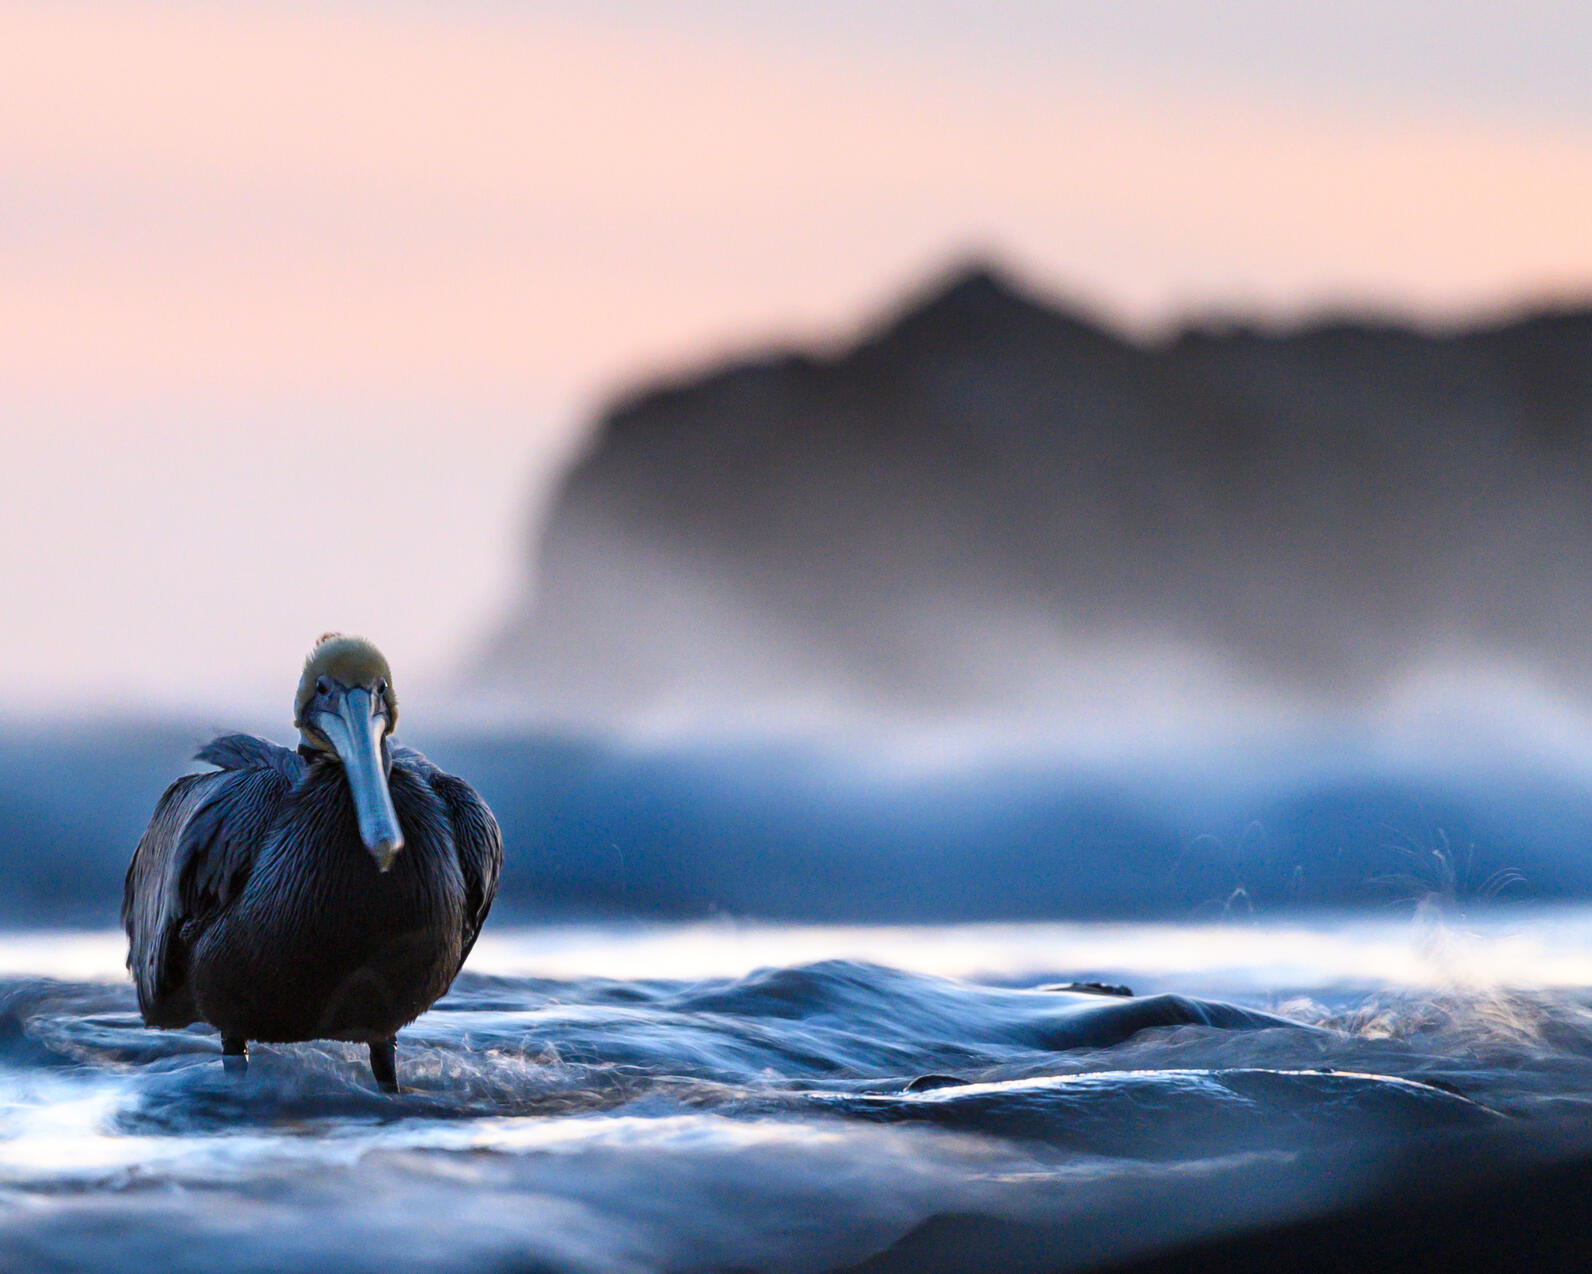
<point x="986" y="493"/>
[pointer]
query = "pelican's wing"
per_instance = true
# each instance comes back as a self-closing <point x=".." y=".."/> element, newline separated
<point x="476" y="838"/>
<point x="480" y="846"/>
<point x="191" y="862"/>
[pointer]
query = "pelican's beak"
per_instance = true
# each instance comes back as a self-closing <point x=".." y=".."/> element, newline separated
<point x="356" y="729"/>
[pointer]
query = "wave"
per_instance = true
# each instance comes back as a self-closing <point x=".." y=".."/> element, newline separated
<point x="597" y="829"/>
<point x="799" y="1117"/>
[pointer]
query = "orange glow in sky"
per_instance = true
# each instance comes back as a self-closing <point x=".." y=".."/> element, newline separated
<point x="303" y="305"/>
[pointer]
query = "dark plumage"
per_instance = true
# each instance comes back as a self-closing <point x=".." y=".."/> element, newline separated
<point x="269" y="900"/>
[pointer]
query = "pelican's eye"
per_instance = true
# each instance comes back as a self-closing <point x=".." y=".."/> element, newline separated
<point x="381" y="689"/>
<point x="323" y="686"/>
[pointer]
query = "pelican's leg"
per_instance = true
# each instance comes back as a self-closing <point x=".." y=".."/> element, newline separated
<point x="235" y="1054"/>
<point x="384" y="1064"/>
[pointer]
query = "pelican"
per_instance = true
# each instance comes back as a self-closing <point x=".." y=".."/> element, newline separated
<point x="328" y="893"/>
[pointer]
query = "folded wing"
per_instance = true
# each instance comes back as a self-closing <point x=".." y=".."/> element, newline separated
<point x="192" y="861"/>
<point x="480" y="847"/>
<point x="476" y="839"/>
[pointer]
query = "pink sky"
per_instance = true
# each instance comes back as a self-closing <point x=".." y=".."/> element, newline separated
<point x="299" y="305"/>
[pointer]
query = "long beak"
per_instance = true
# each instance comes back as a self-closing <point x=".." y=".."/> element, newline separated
<point x="355" y="730"/>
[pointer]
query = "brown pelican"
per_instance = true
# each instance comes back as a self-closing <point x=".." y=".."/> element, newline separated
<point x="328" y="893"/>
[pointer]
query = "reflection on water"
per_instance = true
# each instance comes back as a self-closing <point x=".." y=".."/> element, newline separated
<point x="725" y="1096"/>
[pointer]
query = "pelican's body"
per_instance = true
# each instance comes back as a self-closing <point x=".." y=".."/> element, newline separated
<point x="310" y="894"/>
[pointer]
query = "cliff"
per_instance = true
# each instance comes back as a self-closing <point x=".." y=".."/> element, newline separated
<point x="986" y="502"/>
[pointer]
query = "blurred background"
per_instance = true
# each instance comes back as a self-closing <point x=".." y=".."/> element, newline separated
<point x="826" y="462"/>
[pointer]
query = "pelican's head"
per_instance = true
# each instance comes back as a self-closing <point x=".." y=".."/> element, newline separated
<point x="345" y="710"/>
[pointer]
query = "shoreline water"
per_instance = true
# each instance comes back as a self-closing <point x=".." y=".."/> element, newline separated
<point x="611" y="1099"/>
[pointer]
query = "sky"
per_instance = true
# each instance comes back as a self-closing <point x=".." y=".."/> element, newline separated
<point x="303" y="307"/>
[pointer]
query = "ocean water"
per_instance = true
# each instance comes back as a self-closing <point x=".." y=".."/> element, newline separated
<point x="725" y="1096"/>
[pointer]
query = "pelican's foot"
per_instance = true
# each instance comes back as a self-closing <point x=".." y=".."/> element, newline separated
<point x="235" y="1055"/>
<point x="384" y="1064"/>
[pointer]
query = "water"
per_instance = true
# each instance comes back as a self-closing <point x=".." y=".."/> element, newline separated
<point x="721" y="1096"/>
